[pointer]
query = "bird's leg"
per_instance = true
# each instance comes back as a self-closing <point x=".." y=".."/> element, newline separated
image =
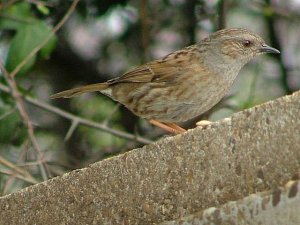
<point x="176" y="127"/>
<point x="170" y="127"/>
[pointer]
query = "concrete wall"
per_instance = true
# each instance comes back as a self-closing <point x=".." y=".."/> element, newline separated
<point x="252" y="151"/>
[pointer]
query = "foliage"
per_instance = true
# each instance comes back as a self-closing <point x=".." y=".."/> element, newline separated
<point x="29" y="33"/>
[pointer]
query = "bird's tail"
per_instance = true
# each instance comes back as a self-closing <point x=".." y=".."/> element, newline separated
<point x="80" y="90"/>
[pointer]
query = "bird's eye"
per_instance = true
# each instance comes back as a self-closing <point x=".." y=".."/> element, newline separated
<point x="247" y="43"/>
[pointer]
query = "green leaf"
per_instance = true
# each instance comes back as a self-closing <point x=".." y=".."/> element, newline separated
<point x="26" y="39"/>
<point x="16" y="16"/>
<point x="11" y="129"/>
<point x="43" y="9"/>
<point x="30" y="33"/>
<point x="48" y="48"/>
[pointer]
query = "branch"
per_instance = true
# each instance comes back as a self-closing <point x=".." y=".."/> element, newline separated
<point x="145" y="34"/>
<point x="7" y="4"/>
<point x="26" y="120"/>
<point x="58" y="111"/>
<point x="275" y="42"/>
<point x="222" y="14"/>
<point x="80" y="120"/>
<point x="21" y="156"/>
<point x="21" y="177"/>
<point x="17" y="96"/>
<point x="38" y="47"/>
<point x="21" y="172"/>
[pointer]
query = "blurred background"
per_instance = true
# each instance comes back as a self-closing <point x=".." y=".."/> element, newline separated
<point x="101" y="40"/>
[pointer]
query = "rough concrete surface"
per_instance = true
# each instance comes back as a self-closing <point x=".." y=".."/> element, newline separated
<point x="280" y="206"/>
<point x="252" y="151"/>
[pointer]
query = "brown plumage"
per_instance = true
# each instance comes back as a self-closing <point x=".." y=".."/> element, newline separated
<point x="185" y="83"/>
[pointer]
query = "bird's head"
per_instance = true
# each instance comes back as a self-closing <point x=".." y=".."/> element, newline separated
<point x="238" y="44"/>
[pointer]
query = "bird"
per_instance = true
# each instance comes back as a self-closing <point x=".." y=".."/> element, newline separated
<point x="185" y="83"/>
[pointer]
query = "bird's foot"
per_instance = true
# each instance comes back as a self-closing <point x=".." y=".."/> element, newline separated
<point x="169" y="127"/>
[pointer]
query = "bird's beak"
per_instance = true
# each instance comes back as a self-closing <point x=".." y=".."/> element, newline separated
<point x="267" y="49"/>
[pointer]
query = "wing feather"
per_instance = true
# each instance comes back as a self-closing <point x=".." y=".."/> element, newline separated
<point x="160" y="70"/>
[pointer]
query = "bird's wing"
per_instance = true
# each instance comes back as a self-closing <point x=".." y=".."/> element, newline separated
<point x="165" y="69"/>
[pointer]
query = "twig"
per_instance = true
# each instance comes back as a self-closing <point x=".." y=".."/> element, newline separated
<point x="22" y="111"/>
<point x="9" y="164"/>
<point x="275" y="42"/>
<point x="144" y="26"/>
<point x="16" y="19"/>
<point x="28" y="164"/>
<point x="190" y="20"/>
<point x="20" y="171"/>
<point x="7" y="113"/>
<point x="57" y="110"/>
<point x="18" y="176"/>
<point x="5" y="5"/>
<point x="38" y="47"/>
<point x="114" y="110"/>
<point x="71" y="130"/>
<point x="82" y="121"/>
<point x="19" y="103"/>
<point x="10" y="180"/>
<point x="222" y="8"/>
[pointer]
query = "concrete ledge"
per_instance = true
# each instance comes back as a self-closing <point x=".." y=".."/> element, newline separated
<point x="252" y="151"/>
<point x="280" y="206"/>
